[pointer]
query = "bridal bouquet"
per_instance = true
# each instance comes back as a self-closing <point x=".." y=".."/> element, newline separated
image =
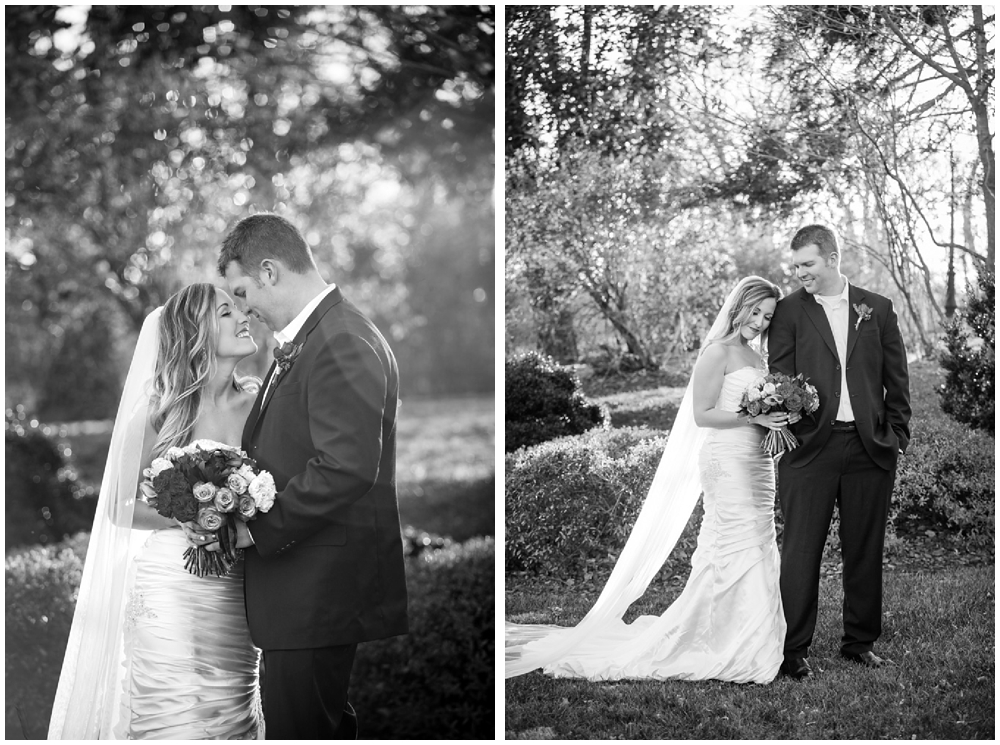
<point x="215" y="485"/>
<point x="778" y="392"/>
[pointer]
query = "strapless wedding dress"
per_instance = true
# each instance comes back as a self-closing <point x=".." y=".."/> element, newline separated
<point x="727" y="624"/>
<point x="191" y="669"/>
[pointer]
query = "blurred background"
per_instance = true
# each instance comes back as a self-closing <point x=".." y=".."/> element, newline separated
<point x="136" y="136"/>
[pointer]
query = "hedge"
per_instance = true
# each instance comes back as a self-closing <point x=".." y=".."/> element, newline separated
<point x="436" y="682"/>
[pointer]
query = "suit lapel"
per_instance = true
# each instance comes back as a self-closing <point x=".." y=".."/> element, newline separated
<point x="818" y="317"/>
<point x="260" y="405"/>
<point x="248" y="428"/>
<point x="856" y="296"/>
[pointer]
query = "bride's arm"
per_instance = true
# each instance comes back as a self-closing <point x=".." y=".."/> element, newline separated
<point x="145" y="517"/>
<point x="709" y="373"/>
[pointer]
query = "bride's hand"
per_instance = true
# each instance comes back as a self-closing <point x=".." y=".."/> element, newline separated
<point x="196" y="535"/>
<point x="774" y="420"/>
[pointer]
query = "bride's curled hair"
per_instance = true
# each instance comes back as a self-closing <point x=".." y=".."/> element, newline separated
<point x="185" y="362"/>
<point x="749" y="293"/>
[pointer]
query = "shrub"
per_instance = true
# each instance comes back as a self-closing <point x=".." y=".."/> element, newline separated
<point x="40" y="593"/>
<point x="438" y="681"/>
<point x="968" y="391"/>
<point x="570" y="504"/>
<point x="45" y="501"/>
<point x="543" y="401"/>
<point x="946" y="478"/>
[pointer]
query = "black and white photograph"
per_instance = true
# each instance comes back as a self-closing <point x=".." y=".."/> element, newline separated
<point x="749" y="348"/>
<point x="250" y="323"/>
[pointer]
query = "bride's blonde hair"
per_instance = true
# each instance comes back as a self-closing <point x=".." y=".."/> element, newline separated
<point x="753" y="292"/>
<point x="185" y="362"/>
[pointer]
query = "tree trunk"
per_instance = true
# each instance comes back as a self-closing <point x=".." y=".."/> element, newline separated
<point x="557" y="337"/>
<point x="980" y="105"/>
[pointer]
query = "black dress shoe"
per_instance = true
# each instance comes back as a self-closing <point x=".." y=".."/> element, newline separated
<point x="797" y="668"/>
<point x="868" y="659"/>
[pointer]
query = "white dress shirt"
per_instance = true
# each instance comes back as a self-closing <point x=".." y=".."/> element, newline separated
<point x="838" y="309"/>
<point x="288" y="333"/>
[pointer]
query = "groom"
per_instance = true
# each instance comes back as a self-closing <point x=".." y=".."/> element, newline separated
<point x="324" y="567"/>
<point x="846" y="341"/>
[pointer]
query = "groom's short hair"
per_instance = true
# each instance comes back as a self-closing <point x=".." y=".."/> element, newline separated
<point x="824" y="238"/>
<point x="265" y="236"/>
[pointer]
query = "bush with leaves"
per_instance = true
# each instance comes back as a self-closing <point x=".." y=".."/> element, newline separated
<point x="947" y="479"/>
<point x="543" y="401"/>
<point x="968" y="393"/>
<point x="45" y="501"/>
<point x="39" y="595"/>
<point x="570" y="503"/>
<point x="437" y="682"/>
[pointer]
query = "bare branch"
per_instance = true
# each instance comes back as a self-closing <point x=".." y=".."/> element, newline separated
<point x="928" y="59"/>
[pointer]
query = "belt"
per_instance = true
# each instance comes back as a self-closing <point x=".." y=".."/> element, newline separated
<point x="839" y="426"/>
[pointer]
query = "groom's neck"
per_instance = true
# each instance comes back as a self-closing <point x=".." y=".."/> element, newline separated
<point x="299" y="290"/>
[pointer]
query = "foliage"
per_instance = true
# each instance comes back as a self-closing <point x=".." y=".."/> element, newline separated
<point x="970" y="359"/>
<point x="593" y="73"/>
<point x="543" y="401"/>
<point x="437" y="682"/>
<point x="938" y="688"/>
<point x="569" y="504"/>
<point x="43" y="499"/>
<point x="82" y="382"/>
<point x="39" y="596"/>
<point x="947" y="479"/>
<point x="907" y="91"/>
<point x="138" y="134"/>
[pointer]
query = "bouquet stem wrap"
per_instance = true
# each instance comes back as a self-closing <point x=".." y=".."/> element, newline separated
<point x="777" y="441"/>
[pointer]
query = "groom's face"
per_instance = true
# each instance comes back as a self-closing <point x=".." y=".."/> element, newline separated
<point x="819" y="274"/>
<point x="253" y="296"/>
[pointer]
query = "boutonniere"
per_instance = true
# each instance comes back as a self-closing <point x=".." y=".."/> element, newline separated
<point x="864" y="313"/>
<point x="285" y="355"/>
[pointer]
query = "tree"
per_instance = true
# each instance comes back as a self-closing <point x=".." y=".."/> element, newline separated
<point x="138" y="134"/>
<point x="900" y="86"/>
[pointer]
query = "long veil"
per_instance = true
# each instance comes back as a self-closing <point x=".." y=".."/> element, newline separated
<point x="669" y="503"/>
<point x="87" y="699"/>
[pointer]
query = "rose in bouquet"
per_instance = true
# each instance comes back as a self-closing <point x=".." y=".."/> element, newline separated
<point x="778" y="392"/>
<point x="214" y="485"/>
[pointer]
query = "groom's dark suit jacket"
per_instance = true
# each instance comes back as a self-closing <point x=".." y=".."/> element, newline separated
<point x="327" y="568"/>
<point x="800" y="340"/>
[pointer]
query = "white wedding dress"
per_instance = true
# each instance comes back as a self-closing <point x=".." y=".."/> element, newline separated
<point x="727" y="623"/>
<point x="190" y="667"/>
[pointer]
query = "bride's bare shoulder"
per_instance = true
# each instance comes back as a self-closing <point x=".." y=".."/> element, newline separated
<point x="714" y="355"/>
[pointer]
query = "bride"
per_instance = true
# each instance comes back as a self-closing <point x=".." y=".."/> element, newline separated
<point x="155" y="652"/>
<point x="727" y="623"/>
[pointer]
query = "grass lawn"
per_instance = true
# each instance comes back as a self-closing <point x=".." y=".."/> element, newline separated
<point x="938" y="630"/>
<point x="445" y="463"/>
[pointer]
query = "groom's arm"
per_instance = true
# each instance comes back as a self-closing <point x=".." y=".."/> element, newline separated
<point x="346" y="390"/>
<point x="896" y="379"/>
